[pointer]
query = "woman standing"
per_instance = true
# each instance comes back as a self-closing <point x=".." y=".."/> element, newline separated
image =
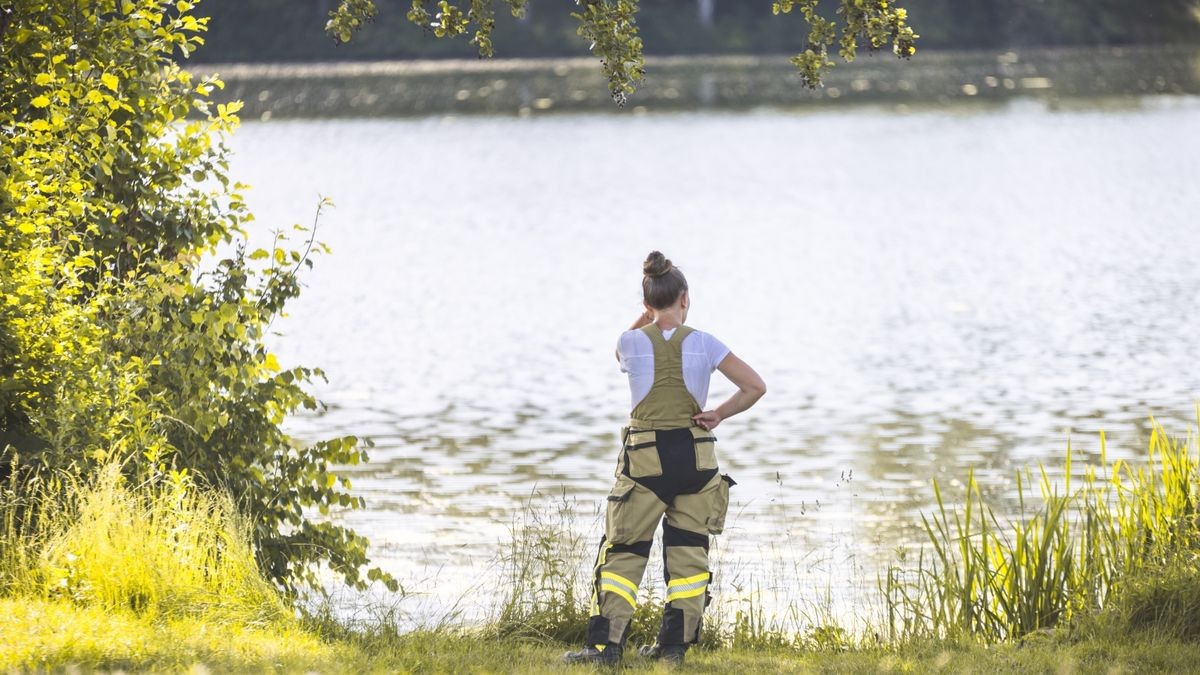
<point x="667" y="470"/>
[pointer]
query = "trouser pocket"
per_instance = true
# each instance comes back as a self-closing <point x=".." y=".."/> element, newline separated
<point x="641" y="454"/>
<point x="705" y="445"/>
<point x="618" y="521"/>
<point x="720" y="505"/>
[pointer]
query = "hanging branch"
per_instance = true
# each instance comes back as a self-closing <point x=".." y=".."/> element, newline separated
<point x="610" y="27"/>
<point x="874" y="23"/>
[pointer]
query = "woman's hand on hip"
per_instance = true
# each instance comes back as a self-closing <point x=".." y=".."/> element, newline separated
<point x="707" y="420"/>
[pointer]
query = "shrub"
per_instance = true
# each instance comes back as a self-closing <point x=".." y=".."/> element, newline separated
<point x="122" y="336"/>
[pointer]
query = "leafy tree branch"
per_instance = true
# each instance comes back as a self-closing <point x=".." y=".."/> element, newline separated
<point x="610" y="27"/>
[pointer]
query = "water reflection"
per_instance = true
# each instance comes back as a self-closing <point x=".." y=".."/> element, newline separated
<point x="925" y="294"/>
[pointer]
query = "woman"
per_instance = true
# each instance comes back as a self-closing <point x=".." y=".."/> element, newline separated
<point x="667" y="470"/>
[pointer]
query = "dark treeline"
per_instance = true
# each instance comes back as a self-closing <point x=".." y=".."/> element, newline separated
<point x="292" y="30"/>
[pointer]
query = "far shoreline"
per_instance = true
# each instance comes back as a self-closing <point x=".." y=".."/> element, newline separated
<point x="526" y="86"/>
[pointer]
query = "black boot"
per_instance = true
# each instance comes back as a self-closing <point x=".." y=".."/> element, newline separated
<point x="672" y="654"/>
<point x="608" y="655"/>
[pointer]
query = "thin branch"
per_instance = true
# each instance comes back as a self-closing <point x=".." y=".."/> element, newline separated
<point x="312" y="237"/>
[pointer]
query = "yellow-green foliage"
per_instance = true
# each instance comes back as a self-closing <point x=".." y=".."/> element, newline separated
<point x="133" y="319"/>
<point x="1072" y="557"/>
<point x="161" y="548"/>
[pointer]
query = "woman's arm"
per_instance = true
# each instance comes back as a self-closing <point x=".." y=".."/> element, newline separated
<point x="642" y="320"/>
<point x="645" y="318"/>
<point x="750" y="388"/>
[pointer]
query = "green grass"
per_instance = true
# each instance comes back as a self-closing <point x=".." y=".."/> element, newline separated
<point x="60" y="635"/>
<point x="1100" y="576"/>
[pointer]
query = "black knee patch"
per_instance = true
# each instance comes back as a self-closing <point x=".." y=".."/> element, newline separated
<point x="673" y="536"/>
<point x="641" y="548"/>
<point x="671" y="632"/>
<point x="597" y="631"/>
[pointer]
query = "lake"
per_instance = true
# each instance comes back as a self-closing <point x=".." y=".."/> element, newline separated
<point x="953" y="287"/>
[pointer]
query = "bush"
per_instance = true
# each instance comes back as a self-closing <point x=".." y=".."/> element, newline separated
<point x="121" y="337"/>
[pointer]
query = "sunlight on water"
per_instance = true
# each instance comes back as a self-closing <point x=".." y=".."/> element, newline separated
<point x="923" y="293"/>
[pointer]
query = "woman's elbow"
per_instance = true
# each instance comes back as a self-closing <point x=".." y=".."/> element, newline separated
<point x="758" y="389"/>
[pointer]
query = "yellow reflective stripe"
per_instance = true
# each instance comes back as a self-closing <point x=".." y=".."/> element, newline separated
<point x="703" y="576"/>
<point x="687" y="587"/>
<point x="609" y="586"/>
<point x="601" y="558"/>
<point x="620" y="581"/>
<point x="679" y="595"/>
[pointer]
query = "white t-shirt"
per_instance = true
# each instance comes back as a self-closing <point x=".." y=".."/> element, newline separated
<point x="702" y="353"/>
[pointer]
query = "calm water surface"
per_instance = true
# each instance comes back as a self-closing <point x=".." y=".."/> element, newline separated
<point x="925" y="293"/>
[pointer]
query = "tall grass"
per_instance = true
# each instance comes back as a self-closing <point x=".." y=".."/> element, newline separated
<point x="1114" y="543"/>
<point x="546" y="586"/>
<point x="1071" y="556"/>
<point x="1117" y="541"/>
<point x="544" y="577"/>
<point x="160" y="548"/>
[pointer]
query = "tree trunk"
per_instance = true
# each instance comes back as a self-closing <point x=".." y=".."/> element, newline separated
<point x="706" y="10"/>
<point x="6" y="15"/>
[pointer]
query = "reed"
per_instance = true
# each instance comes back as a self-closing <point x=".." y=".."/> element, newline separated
<point x="160" y="548"/>
<point x="1070" y="556"/>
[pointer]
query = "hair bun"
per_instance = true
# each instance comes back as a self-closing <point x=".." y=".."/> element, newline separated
<point x="656" y="265"/>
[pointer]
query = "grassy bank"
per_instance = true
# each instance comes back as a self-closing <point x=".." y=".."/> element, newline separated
<point x="1099" y="575"/>
<point x="53" y="635"/>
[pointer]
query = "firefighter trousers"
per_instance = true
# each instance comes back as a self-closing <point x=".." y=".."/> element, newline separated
<point x="667" y="476"/>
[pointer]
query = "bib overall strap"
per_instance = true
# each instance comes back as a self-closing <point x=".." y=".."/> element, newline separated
<point x="668" y="405"/>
